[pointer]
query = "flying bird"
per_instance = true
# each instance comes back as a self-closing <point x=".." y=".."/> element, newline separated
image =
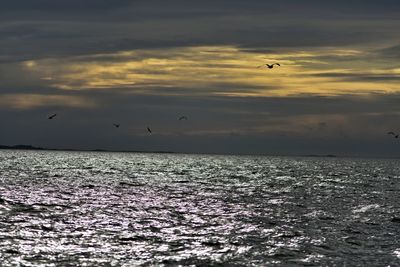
<point x="148" y="129"/>
<point x="269" y="66"/>
<point x="116" y="125"/>
<point x="52" y="116"/>
<point x="183" y="118"/>
<point x="394" y="134"/>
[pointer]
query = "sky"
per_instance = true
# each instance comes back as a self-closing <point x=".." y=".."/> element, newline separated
<point x="145" y="63"/>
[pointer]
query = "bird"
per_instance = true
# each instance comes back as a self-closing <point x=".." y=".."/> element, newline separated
<point x="183" y="118"/>
<point x="394" y="134"/>
<point x="148" y="129"/>
<point x="116" y="125"/>
<point x="269" y="66"/>
<point x="52" y="116"/>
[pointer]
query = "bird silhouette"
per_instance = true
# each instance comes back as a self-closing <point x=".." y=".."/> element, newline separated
<point x="269" y="66"/>
<point x="395" y="135"/>
<point x="116" y="125"/>
<point x="52" y="116"/>
<point x="148" y="129"/>
<point x="183" y="118"/>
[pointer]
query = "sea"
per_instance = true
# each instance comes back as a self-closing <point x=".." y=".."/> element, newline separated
<point x="142" y="209"/>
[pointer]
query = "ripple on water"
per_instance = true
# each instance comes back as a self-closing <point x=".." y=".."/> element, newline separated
<point x="112" y="209"/>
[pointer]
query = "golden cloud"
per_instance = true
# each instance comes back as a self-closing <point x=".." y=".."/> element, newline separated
<point x="222" y="70"/>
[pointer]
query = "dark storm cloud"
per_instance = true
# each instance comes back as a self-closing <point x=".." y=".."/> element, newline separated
<point x="38" y="29"/>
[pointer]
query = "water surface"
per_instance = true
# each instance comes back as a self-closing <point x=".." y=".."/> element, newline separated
<point x="126" y="209"/>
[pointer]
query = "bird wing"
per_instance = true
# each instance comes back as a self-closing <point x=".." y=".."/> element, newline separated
<point x="277" y="64"/>
<point x="392" y="133"/>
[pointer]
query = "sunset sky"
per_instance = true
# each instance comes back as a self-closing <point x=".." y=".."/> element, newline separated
<point x="147" y="62"/>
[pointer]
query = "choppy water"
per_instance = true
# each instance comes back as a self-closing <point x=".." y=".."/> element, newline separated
<point x="116" y="209"/>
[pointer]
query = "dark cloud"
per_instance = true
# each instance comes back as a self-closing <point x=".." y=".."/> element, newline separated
<point x="44" y="28"/>
<point x="246" y="108"/>
<point x="60" y="5"/>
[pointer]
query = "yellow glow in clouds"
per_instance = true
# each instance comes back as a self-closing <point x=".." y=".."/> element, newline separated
<point x="221" y="70"/>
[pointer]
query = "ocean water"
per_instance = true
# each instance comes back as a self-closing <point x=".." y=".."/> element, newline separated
<point x="127" y="209"/>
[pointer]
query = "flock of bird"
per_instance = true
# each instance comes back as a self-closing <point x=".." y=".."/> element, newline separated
<point x="268" y="66"/>
<point x="117" y="125"/>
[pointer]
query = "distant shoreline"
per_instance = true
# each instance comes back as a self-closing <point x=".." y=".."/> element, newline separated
<point x="333" y="156"/>
<point x="30" y="147"/>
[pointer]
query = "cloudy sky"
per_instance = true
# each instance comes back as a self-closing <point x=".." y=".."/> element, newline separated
<point x="146" y="62"/>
